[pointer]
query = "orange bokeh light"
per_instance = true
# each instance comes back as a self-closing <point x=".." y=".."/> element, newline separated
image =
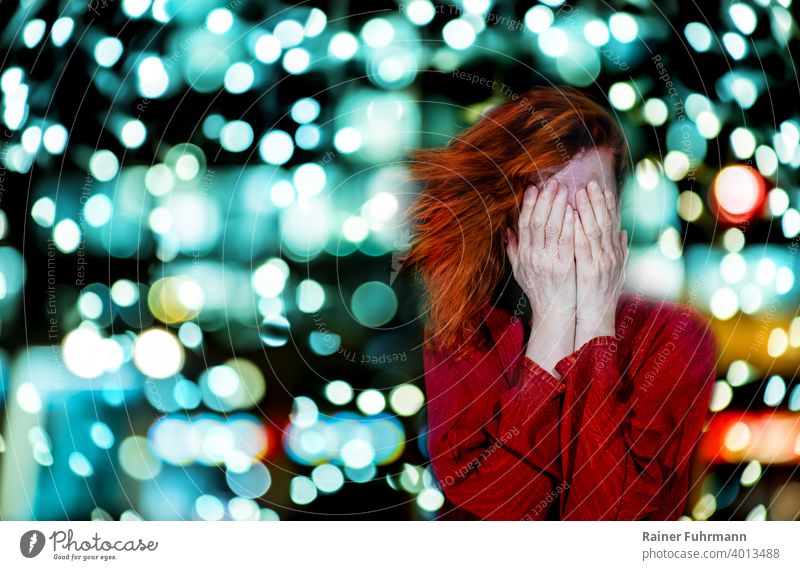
<point x="737" y="193"/>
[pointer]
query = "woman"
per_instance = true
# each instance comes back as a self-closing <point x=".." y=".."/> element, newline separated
<point x="575" y="400"/>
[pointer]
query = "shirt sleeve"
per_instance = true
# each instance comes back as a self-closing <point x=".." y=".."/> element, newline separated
<point x="486" y="416"/>
<point x="622" y="446"/>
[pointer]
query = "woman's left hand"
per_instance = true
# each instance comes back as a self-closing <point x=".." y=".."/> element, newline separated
<point x="601" y="250"/>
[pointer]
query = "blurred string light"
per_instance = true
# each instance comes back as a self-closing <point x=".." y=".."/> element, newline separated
<point x="107" y="51"/>
<point x="345" y="438"/>
<point x="622" y="96"/>
<point x="61" y="31"/>
<point x="135" y="8"/>
<point x="596" y="32"/>
<point x="236" y="441"/>
<point x="420" y="12"/>
<point x="55" y="139"/>
<point x="699" y="36"/>
<point x="371" y="402"/>
<point x="553" y="42"/>
<point x="374" y="303"/>
<point x="133" y="133"/>
<point x="624" y="27"/>
<point x="343" y="46"/>
<point x="735" y="45"/>
<point x="267" y="48"/>
<point x="743" y="17"/>
<point x="458" y="34"/>
<point x="296" y="61"/>
<point x="153" y="78"/>
<point x="656" y="112"/>
<point x="327" y="478"/>
<point x="33" y="32"/>
<point x="305" y="110"/>
<point x="539" y="18"/>
<point x="158" y="354"/>
<point x="236" y="136"/>
<point x="137" y="459"/>
<point x="237" y="384"/>
<point x="339" y="392"/>
<point x="276" y="147"/>
<point x="743" y="142"/>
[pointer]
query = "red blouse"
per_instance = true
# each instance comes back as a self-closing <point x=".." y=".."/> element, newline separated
<point x="610" y="440"/>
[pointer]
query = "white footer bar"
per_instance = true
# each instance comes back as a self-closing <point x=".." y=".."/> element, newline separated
<point x="355" y="544"/>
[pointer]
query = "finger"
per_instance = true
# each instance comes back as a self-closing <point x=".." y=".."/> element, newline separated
<point x="528" y="202"/>
<point x="582" y="248"/>
<point x="624" y="240"/>
<point x="589" y="225"/>
<point x="611" y="204"/>
<point x="601" y="214"/>
<point x="555" y="222"/>
<point x="512" y="247"/>
<point x="566" y="242"/>
<point x="598" y="201"/>
<point x="541" y="212"/>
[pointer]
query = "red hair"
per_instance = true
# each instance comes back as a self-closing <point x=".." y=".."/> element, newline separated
<point x="472" y="191"/>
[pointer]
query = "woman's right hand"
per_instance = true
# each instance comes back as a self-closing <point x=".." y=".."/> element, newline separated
<point x="542" y="252"/>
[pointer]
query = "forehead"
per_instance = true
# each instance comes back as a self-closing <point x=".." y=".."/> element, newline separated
<point x="592" y="164"/>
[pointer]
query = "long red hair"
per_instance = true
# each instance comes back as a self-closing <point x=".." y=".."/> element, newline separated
<point x="471" y="191"/>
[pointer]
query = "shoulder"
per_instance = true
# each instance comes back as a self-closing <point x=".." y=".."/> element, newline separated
<point x="665" y="343"/>
<point x="503" y="326"/>
<point x="497" y="332"/>
<point x="676" y="348"/>
<point x="662" y="320"/>
<point x="499" y="337"/>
